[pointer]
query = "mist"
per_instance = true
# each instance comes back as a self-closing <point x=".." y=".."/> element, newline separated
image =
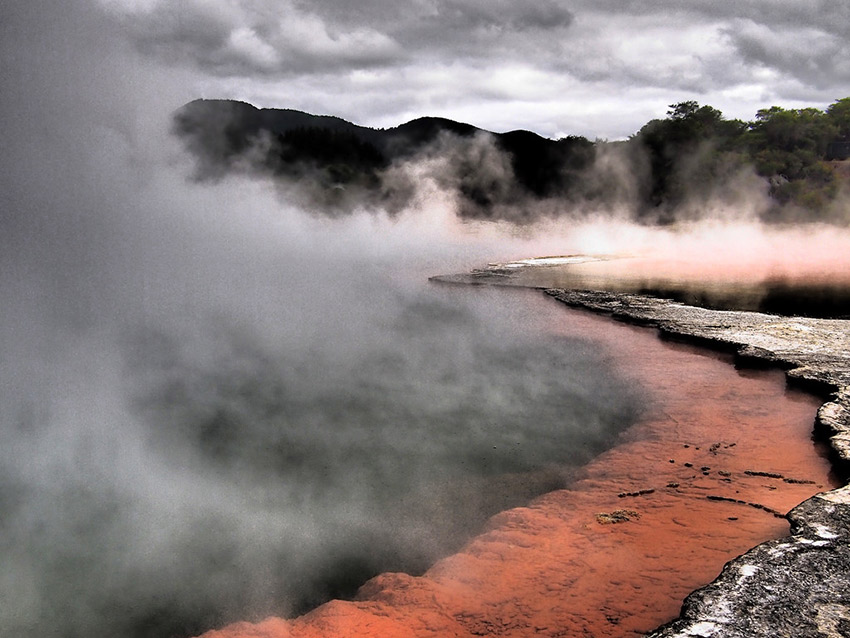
<point x="335" y="168"/>
<point x="219" y="402"/>
<point x="218" y="406"/>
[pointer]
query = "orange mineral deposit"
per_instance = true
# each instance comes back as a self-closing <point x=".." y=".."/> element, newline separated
<point x="717" y="458"/>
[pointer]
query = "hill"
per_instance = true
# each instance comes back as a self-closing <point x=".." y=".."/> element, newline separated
<point x="339" y="156"/>
<point x="679" y="167"/>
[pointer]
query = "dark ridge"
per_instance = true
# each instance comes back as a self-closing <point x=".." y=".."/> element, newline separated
<point x="330" y="155"/>
<point x="247" y="119"/>
<point x="242" y="123"/>
<point x="543" y="166"/>
<point x="693" y="155"/>
<point x="424" y="130"/>
<point x="217" y="132"/>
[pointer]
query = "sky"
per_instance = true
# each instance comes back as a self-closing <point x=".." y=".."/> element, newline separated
<point x="599" y="68"/>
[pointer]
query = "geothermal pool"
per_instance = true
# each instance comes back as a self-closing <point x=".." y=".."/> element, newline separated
<point x="173" y="469"/>
<point x="696" y="480"/>
<point x="178" y="476"/>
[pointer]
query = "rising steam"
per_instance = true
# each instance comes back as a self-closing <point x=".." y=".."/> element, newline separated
<point x="217" y="404"/>
<point x="693" y="166"/>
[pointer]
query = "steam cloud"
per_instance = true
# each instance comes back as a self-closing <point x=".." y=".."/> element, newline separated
<point x="216" y="406"/>
<point x="672" y="171"/>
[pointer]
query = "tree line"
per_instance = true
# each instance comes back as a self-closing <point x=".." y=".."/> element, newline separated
<point x="794" y="150"/>
<point x="792" y="156"/>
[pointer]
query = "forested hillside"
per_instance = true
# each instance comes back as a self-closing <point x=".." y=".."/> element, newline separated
<point x="795" y="150"/>
<point x="793" y="161"/>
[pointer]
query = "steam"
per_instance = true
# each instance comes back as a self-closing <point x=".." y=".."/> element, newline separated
<point x="217" y="404"/>
<point x="223" y="408"/>
<point x="660" y="176"/>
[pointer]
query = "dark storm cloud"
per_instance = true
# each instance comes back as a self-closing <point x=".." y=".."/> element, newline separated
<point x="444" y="15"/>
<point x="283" y="38"/>
<point x="829" y="14"/>
<point x="499" y="16"/>
<point x="245" y="38"/>
<point x="811" y="56"/>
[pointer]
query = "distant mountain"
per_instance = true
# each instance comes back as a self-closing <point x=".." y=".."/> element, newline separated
<point x="669" y="170"/>
<point x="337" y="155"/>
<point x="241" y="121"/>
<point x="246" y="119"/>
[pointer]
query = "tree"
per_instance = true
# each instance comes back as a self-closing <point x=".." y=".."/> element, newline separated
<point x="689" y="151"/>
<point x="839" y="116"/>
<point x="793" y="130"/>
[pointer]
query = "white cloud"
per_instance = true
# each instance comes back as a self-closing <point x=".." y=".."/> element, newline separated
<point x="245" y="42"/>
<point x="307" y="35"/>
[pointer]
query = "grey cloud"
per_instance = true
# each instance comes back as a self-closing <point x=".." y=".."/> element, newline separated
<point x="813" y="57"/>
<point x="501" y="16"/>
<point x="631" y="46"/>
<point x="802" y="44"/>
<point x="396" y="18"/>
<point x="180" y="39"/>
<point x="252" y="38"/>
<point x="265" y="38"/>
<point x="831" y="16"/>
<point x="834" y="13"/>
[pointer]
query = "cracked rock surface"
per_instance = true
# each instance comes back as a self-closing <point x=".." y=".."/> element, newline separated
<point x="794" y="587"/>
<point x="799" y="585"/>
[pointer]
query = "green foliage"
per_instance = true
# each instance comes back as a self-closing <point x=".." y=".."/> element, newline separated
<point x="693" y="144"/>
<point x="789" y="146"/>
<point x="838" y="114"/>
<point x="696" y="148"/>
<point x="792" y="130"/>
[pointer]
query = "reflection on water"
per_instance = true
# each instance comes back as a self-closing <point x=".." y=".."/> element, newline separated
<point x="777" y="296"/>
<point x="232" y="479"/>
<point x="823" y="294"/>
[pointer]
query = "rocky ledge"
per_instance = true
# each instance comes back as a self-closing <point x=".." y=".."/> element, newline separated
<point x="796" y="586"/>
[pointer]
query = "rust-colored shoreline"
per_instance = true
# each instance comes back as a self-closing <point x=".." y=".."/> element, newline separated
<point x="694" y="484"/>
<point x="798" y="585"/>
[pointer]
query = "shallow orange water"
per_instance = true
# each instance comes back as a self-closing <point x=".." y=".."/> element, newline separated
<point x="563" y="566"/>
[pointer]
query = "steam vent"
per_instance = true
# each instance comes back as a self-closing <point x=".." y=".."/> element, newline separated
<point x="648" y="523"/>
